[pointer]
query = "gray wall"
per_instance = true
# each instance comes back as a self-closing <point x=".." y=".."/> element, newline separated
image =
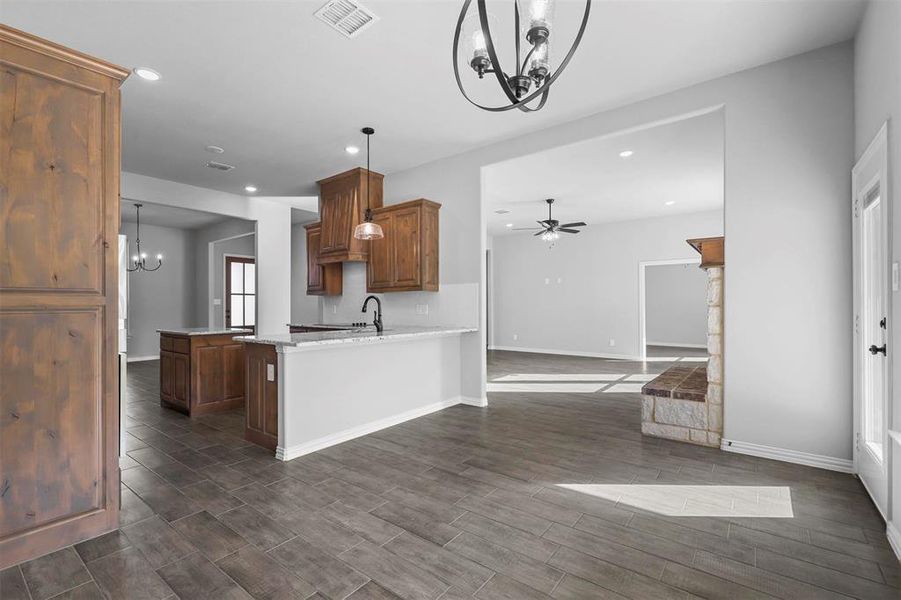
<point x="877" y="99"/>
<point x="583" y="293"/>
<point x="162" y="298"/>
<point x="789" y="139"/>
<point x="204" y="290"/>
<point x="676" y="305"/>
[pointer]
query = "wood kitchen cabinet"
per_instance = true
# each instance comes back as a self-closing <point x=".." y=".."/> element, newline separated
<point x="406" y="259"/>
<point x="322" y="279"/>
<point x="201" y="374"/>
<point x="261" y="376"/>
<point x="59" y="217"/>
<point x="342" y="204"/>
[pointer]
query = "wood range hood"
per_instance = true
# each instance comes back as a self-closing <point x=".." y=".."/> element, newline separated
<point x="711" y="249"/>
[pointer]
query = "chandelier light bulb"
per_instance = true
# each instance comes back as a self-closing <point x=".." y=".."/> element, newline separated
<point x="143" y="255"/>
<point x="159" y="257"/>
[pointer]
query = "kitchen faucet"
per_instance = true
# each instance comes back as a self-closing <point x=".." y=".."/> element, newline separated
<point x="378" y="312"/>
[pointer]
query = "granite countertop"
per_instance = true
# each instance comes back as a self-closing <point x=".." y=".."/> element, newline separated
<point x="355" y="336"/>
<point x="201" y="330"/>
<point x="327" y="326"/>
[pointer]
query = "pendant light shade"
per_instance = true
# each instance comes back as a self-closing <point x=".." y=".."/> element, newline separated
<point x="367" y="230"/>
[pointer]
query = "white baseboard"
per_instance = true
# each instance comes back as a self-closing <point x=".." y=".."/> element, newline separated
<point x="292" y="452"/>
<point x="472" y="401"/>
<point x="792" y="456"/>
<point x="676" y="345"/>
<point x="143" y="358"/>
<point x="894" y="537"/>
<point x="566" y="352"/>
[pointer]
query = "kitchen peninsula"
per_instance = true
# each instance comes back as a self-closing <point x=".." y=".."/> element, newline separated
<point x="308" y="391"/>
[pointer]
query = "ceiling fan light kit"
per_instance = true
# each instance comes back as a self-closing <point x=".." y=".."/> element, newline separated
<point x="550" y="229"/>
<point x="533" y="24"/>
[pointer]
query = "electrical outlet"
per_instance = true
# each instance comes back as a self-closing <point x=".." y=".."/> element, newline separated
<point x="895" y="282"/>
<point x="335" y="308"/>
<point x="547" y="281"/>
<point x="612" y="342"/>
<point x="559" y="280"/>
<point x="422" y="309"/>
<point x="515" y="337"/>
<point x="217" y="301"/>
<point x="270" y="372"/>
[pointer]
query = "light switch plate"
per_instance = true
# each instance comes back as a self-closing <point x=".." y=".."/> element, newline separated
<point x="895" y="277"/>
<point x="270" y="372"/>
<point x="217" y="301"/>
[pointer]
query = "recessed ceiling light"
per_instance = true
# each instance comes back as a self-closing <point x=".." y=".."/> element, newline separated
<point x="148" y="74"/>
<point x="501" y="211"/>
<point x="215" y="149"/>
<point x="250" y="188"/>
<point x="625" y="154"/>
<point x="509" y="224"/>
<point x="351" y="149"/>
<point x="670" y="202"/>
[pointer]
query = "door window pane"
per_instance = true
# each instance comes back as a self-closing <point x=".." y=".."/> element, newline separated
<point x="237" y="310"/>
<point x="250" y="310"/>
<point x="237" y="277"/>
<point x="250" y="272"/>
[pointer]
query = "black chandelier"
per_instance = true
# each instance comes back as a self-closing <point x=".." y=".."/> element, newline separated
<point x="534" y="68"/>
<point x="139" y="260"/>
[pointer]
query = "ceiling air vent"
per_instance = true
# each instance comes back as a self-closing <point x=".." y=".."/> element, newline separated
<point x="219" y="166"/>
<point x="346" y="16"/>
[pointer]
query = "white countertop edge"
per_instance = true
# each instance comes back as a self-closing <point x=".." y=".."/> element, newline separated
<point x="290" y="347"/>
<point x="195" y="331"/>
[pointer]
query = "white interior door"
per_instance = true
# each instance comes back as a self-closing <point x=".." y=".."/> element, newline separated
<point x="871" y="275"/>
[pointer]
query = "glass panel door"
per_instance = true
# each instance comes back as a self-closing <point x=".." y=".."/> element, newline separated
<point x="240" y="292"/>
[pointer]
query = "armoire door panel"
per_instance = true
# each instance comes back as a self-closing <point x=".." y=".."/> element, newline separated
<point x="51" y="435"/>
<point x="53" y="209"/>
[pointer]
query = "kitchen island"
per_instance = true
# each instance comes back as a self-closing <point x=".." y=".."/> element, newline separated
<point x="308" y="391"/>
<point x="201" y="370"/>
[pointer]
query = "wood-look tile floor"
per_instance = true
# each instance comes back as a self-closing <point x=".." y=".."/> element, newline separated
<point x="549" y="492"/>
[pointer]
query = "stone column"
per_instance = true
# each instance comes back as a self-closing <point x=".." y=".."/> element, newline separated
<point x="715" y="349"/>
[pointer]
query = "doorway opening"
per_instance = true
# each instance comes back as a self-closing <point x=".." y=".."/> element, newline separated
<point x="672" y="299"/>
<point x="240" y="292"/>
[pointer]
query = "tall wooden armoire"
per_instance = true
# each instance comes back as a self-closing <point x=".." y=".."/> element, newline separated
<point x="59" y="220"/>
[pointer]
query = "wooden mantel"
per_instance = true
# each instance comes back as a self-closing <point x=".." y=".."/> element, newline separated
<point x="711" y="251"/>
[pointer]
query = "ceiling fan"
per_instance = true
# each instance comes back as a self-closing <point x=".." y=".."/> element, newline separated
<point x="551" y="228"/>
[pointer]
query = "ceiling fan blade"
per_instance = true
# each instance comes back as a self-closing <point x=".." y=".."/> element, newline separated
<point x="579" y="224"/>
<point x="540" y="232"/>
<point x="543" y="223"/>
<point x="526" y="228"/>
<point x="564" y="230"/>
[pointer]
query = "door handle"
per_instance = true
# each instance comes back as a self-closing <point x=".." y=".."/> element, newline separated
<point x="877" y="349"/>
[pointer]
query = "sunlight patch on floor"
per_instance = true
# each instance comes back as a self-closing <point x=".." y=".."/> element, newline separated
<point x="643" y="377"/>
<point x="544" y="388"/>
<point x="695" y="500"/>
<point x="561" y="377"/>
<point x="624" y="388"/>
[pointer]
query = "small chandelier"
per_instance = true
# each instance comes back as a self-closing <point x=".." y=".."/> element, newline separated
<point x="139" y="260"/>
<point x="535" y="67"/>
<point x="367" y="230"/>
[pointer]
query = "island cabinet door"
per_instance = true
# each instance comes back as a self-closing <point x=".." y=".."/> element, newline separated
<point x="59" y="218"/>
<point x="175" y="379"/>
<point x="261" y="390"/>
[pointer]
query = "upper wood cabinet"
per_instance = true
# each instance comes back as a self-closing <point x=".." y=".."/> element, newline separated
<point x="406" y="259"/>
<point x="342" y="202"/>
<point x="322" y="280"/>
<point x="59" y="218"/>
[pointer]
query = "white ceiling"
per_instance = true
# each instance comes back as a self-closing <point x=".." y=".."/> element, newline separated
<point x="680" y="162"/>
<point x="168" y="216"/>
<point x="284" y="94"/>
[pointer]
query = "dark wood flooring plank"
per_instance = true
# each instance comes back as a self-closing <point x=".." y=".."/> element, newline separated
<point x="394" y="573"/>
<point x="255" y="527"/>
<point x="54" y="573"/>
<point x="331" y="576"/>
<point x="197" y="578"/>
<point x="211" y="537"/>
<point x="462" y="573"/>
<point x="520" y="567"/>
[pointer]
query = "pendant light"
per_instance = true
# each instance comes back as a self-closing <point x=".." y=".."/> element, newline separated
<point x="139" y="260"/>
<point x="367" y="230"/>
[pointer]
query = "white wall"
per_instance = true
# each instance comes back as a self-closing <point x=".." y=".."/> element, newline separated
<point x="583" y="293"/>
<point x="304" y="308"/>
<point x="676" y="305"/>
<point x="788" y="152"/>
<point x="160" y="298"/>
<point x="209" y="268"/>
<point x="877" y="99"/>
<point x="273" y="229"/>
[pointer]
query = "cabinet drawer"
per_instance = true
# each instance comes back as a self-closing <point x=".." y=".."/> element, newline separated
<point x="165" y="343"/>
<point x="181" y="345"/>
